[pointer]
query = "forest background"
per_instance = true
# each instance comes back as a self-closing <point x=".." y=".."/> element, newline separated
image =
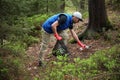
<point x="20" y="27"/>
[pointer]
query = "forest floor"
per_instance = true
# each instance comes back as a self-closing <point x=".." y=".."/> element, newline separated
<point x="33" y="52"/>
<point x="96" y="45"/>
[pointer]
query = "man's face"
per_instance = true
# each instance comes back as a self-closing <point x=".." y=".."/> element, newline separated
<point x="75" y="20"/>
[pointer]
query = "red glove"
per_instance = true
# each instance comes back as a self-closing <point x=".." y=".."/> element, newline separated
<point x="81" y="44"/>
<point x="58" y="37"/>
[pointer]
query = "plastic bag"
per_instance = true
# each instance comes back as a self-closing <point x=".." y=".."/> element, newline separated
<point x="60" y="49"/>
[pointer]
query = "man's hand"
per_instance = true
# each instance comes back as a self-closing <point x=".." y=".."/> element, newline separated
<point x="58" y="37"/>
<point x="82" y="46"/>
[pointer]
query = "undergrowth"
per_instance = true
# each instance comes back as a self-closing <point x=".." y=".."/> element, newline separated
<point x="13" y="43"/>
<point x="103" y="65"/>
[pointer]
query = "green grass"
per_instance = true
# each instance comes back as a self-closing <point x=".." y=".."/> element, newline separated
<point x="103" y="61"/>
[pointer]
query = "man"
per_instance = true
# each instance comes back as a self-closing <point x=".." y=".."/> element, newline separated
<point x="56" y="25"/>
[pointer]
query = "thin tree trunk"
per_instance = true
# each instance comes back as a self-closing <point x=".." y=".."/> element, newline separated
<point x="62" y="6"/>
<point x="82" y="4"/>
<point x="47" y="7"/>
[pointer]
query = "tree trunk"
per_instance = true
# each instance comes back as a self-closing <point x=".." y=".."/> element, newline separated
<point x="62" y="6"/>
<point x="75" y="4"/>
<point x="1" y="42"/>
<point x="47" y="7"/>
<point x="82" y="4"/>
<point x="97" y="15"/>
<point x="98" y="20"/>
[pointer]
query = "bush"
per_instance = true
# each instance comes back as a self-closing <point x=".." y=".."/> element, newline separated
<point x="114" y="3"/>
<point x="102" y="62"/>
<point x="11" y="66"/>
<point x="17" y="37"/>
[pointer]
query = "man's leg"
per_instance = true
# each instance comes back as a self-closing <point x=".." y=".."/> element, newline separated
<point x="65" y="36"/>
<point x="44" y="46"/>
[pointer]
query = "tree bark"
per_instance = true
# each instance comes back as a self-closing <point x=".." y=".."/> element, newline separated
<point x="97" y="15"/>
<point x="98" y="20"/>
<point x="62" y="6"/>
<point x="47" y="7"/>
<point x="82" y="4"/>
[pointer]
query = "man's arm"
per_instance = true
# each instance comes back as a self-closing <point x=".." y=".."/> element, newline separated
<point x="61" y="20"/>
<point x="74" y="35"/>
<point x="54" y="29"/>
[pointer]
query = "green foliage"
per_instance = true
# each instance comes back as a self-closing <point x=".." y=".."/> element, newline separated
<point x="22" y="33"/>
<point x="16" y="47"/>
<point x="37" y="20"/>
<point x="104" y="61"/>
<point x="112" y="36"/>
<point x="115" y="4"/>
<point x="11" y="66"/>
<point x="19" y="7"/>
<point x="85" y="14"/>
<point x="16" y="35"/>
<point x="11" y="9"/>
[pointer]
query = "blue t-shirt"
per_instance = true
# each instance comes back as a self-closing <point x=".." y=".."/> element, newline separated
<point x="67" y="24"/>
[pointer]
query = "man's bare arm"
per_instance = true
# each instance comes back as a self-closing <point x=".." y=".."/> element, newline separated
<point x="54" y="29"/>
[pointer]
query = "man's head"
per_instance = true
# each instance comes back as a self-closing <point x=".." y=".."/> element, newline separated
<point x="77" y="16"/>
